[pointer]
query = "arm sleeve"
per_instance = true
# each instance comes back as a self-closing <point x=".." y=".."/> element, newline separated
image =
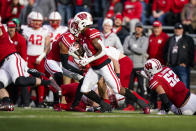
<point x="23" y="49"/>
<point x="64" y="60"/>
<point x="118" y="44"/>
<point x="143" y="49"/>
<point x="126" y="47"/>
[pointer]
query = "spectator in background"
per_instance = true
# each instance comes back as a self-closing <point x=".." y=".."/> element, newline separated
<point x="108" y="37"/>
<point x="135" y="46"/>
<point x="179" y="53"/>
<point x="157" y="42"/>
<point x="13" y="10"/>
<point x="18" y="40"/>
<point x="21" y="46"/>
<point x="64" y="8"/>
<point x="144" y="10"/>
<point x="132" y="13"/>
<point x="18" y="25"/>
<point x="176" y="9"/>
<point x="45" y="7"/>
<point x="114" y="7"/>
<point x="82" y="5"/>
<point x="160" y="9"/>
<point x="119" y="29"/>
<point x="100" y="7"/>
<point x="3" y="8"/>
<point x="188" y="17"/>
<point x="25" y="12"/>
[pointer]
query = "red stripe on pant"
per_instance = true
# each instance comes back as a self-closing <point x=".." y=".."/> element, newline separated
<point x="139" y="97"/>
<point x="113" y="75"/>
<point x="21" y="66"/>
<point x="51" y="71"/>
<point x="17" y="64"/>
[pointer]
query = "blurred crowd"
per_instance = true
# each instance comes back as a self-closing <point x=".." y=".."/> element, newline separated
<point x="122" y="24"/>
<point x="168" y="12"/>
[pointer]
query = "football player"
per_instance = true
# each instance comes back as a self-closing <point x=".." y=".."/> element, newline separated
<point x="99" y="61"/>
<point x="55" y="29"/>
<point x="169" y="88"/>
<point x="38" y="44"/>
<point x="13" y="69"/>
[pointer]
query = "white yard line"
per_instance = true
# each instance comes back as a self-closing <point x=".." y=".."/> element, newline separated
<point x="86" y="116"/>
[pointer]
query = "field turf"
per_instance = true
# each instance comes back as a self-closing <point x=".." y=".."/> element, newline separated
<point x="49" y="120"/>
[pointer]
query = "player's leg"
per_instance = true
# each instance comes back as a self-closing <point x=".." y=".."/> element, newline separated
<point x="112" y="80"/>
<point x="54" y="69"/>
<point x="5" y="104"/>
<point x="91" y="79"/>
<point x="190" y="107"/>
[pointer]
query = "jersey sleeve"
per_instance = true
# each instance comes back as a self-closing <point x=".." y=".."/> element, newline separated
<point x="93" y="33"/>
<point x="154" y="84"/>
<point x="67" y="40"/>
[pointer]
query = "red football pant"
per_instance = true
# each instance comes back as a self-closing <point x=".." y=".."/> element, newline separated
<point x="126" y="66"/>
<point x="40" y="67"/>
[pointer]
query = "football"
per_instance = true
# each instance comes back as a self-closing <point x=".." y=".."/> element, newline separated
<point x="80" y="51"/>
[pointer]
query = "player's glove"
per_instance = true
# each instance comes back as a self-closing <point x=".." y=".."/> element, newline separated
<point x="84" y="62"/>
<point x="72" y="50"/>
<point x="35" y="73"/>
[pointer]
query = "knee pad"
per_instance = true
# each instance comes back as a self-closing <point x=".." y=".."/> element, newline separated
<point x="25" y="81"/>
<point x="1" y="85"/>
<point x="58" y="77"/>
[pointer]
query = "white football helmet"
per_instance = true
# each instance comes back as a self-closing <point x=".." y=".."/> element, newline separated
<point x="73" y="27"/>
<point x="29" y="18"/>
<point x="55" y="19"/>
<point x="83" y="19"/>
<point x="37" y="20"/>
<point x="152" y="66"/>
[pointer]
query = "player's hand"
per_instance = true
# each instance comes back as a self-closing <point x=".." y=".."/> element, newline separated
<point x="84" y="62"/>
<point x="73" y="49"/>
<point x="38" y="61"/>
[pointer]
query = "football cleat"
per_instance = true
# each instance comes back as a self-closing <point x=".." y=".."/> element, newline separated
<point x="146" y="110"/>
<point x="105" y="107"/>
<point x="6" y="107"/>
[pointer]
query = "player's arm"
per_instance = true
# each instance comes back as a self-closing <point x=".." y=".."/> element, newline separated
<point x="163" y="97"/>
<point x="46" y="50"/>
<point x="100" y="51"/>
<point x="64" y="59"/>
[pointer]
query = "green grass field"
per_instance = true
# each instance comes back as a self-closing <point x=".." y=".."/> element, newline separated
<point x="49" y="120"/>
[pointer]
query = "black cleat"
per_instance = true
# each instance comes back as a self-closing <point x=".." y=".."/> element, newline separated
<point x="105" y="107"/>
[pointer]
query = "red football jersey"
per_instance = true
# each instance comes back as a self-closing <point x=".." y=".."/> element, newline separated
<point x="67" y="39"/>
<point x="174" y="88"/>
<point x="86" y="41"/>
<point x="6" y="47"/>
<point x="20" y="44"/>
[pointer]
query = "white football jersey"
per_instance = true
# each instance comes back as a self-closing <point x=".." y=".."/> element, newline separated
<point x="112" y="52"/>
<point x="35" y="40"/>
<point x="55" y="34"/>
